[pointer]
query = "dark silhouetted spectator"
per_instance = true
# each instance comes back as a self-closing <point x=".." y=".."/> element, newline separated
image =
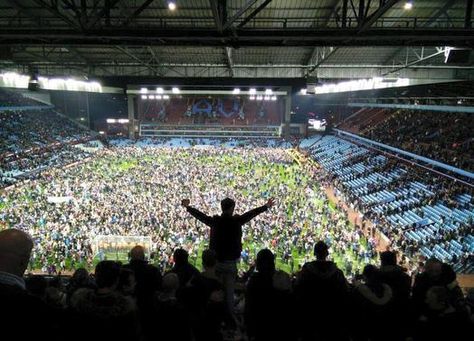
<point x="147" y="284"/>
<point x="183" y="268"/>
<point x="372" y="308"/>
<point x="22" y="315"/>
<point x="322" y="292"/>
<point x="395" y="276"/>
<point x="170" y="313"/>
<point x="268" y="300"/>
<point x="104" y="310"/>
<point x="440" y="319"/>
<point x="80" y="279"/>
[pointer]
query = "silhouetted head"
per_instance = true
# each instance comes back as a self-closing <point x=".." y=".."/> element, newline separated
<point x="137" y="253"/>
<point x="321" y="250"/>
<point x="107" y="274"/>
<point x="227" y="206"/>
<point x="388" y="258"/>
<point x="170" y="283"/>
<point x="433" y="268"/>
<point x="80" y="278"/>
<point x="371" y="274"/>
<point x="265" y="261"/>
<point x="180" y="257"/>
<point x="209" y="259"/>
<point x="15" y="251"/>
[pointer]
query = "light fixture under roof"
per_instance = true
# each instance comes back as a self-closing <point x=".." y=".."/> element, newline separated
<point x="252" y="91"/>
<point x="175" y="90"/>
<point x="266" y="98"/>
<point x="274" y="98"/>
<point x="408" y="5"/>
<point x="158" y="96"/>
<point x="303" y="91"/>
<point x="252" y="98"/>
<point x="160" y="90"/>
<point x="151" y="97"/>
<point x="259" y="97"/>
<point x="236" y="91"/>
<point x="144" y="97"/>
<point x="166" y="96"/>
<point x="143" y="90"/>
<point x="171" y="5"/>
<point x="268" y="91"/>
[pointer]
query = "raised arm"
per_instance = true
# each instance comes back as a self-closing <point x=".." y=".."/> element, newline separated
<point x="202" y="217"/>
<point x="247" y="216"/>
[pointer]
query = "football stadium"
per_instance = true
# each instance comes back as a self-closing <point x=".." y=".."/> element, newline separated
<point x="226" y="170"/>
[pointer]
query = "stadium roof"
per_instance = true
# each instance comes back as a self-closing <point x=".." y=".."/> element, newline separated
<point x="328" y="39"/>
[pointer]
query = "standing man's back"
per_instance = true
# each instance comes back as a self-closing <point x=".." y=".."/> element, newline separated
<point x="226" y="239"/>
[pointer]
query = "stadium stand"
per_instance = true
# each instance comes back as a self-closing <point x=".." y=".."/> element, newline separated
<point x="34" y="140"/>
<point x="14" y="99"/>
<point x="422" y="214"/>
<point x="364" y="119"/>
<point x="446" y="137"/>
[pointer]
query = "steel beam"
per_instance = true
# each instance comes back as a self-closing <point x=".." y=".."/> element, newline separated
<point x="216" y="7"/>
<point x="239" y="13"/>
<point x="230" y="61"/>
<point x="419" y="60"/>
<point x="321" y="55"/>
<point x="131" y="55"/>
<point x="136" y="13"/>
<point x="55" y="11"/>
<point x="439" y="13"/>
<point x="254" y="13"/>
<point x="344" y="13"/>
<point x="366" y="24"/>
<point x="105" y="11"/>
<point x="468" y="17"/>
<point x="334" y="7"/>
<point x="260" y="37"/>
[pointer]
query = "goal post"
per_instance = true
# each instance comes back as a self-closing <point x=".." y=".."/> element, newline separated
<point x="117" y="248"/>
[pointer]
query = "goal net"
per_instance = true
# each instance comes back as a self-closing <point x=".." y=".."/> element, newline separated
<point x="117" y="247"/>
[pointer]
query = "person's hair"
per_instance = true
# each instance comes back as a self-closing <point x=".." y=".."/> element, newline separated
<point x="170" y="282"/>
<point x="433" y="267"/>
<point x="209" y="259"/>
<point x="80" y="277"/>
<point x="107" y="273"/>
<point x="180" y="256"/>
<point x="265" y="261"/>
<point x="227" y="204"/>
<point x="371" y="273"/>
<point x="137" y="253"/>
<point x="388" y="258"/>
<point x="321" y="250"/>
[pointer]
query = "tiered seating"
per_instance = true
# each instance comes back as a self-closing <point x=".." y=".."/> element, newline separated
<point x="363" y="119"/>
<point x="14" y="99"/>
<point x="393" y="193"/>
<point x="179" y="111"/>
<point x="442" y="136"/>
<point x="33" y="140"/>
